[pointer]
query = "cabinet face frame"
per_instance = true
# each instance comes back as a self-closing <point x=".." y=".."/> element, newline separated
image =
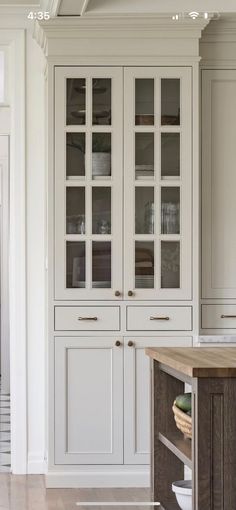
<point x="214" y="192"/>
<point x="62" y="346"/>
<point x="184" y="182"/>
<point x="116" y="182"/>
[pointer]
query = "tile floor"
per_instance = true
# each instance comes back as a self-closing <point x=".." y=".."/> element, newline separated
<point x="5" y="433"/>
<point x="29" y="493"/>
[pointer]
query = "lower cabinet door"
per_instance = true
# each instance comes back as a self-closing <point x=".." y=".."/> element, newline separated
<point x="137" y="408"/>
<point x="88" y="400"/>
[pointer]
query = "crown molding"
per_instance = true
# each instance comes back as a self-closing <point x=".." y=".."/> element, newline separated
<point x="220" y="30"/>
<point x="148" y="27"/>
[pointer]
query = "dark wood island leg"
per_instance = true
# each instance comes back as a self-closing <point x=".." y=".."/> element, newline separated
<point x="215" y="455"/>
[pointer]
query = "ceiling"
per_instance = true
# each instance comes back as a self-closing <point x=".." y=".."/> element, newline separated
<point x="114" y="8"/>
<point x="139" y="7"/>
<point x="18" y="3"/>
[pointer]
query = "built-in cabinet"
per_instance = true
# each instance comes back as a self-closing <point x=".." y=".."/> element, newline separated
<point x="157" y="178"/>
<point x="218" y="199"/>
<point x="122" y="255"/>
<point x="102" y="399"/>
<point x="123" y="185"/>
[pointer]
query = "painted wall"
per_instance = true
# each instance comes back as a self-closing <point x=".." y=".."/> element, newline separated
<point x="35" y="234"/>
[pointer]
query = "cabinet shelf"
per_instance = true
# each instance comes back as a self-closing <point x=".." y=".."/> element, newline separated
<point x="181" y="447"/>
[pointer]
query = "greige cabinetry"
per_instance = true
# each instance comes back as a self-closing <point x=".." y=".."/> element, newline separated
<point x="218" y="199"/>
<point x="123" y="260"/>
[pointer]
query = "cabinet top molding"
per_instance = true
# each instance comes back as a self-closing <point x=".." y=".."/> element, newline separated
<point x="156" y="27"/>
<point x="195" y="362"/>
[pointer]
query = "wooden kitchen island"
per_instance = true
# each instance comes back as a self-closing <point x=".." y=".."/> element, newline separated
<point x="211" y="454"/>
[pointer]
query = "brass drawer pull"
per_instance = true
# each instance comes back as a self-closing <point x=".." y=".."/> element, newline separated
<point x="228" y="316"/>
<point x="87" y="318"/>
<point x="159" y="318"/>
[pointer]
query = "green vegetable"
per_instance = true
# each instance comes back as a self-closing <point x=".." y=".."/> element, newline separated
<point x="183" y="402"/>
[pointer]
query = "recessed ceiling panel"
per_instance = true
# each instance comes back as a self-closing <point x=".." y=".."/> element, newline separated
<point x="71" y="7"/>
<point x="119" y="7"/>
<point x="139" y="7"/>
<point x="18" y="3"/>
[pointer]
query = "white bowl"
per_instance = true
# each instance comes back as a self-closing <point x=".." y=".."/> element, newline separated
<point x="183" y="493"/>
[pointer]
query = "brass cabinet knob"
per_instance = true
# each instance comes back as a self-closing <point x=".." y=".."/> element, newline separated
<point x="117" y="293"/>
<point x="130" y="293"/>
<point x="130" y="343"/>
<point x="118" y="343"/>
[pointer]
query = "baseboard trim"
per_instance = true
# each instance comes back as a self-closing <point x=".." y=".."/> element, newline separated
<point x="95" y="479"/>
<point x="36" y="465"/>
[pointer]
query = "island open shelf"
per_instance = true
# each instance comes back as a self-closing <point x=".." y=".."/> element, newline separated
<point x="211" y="453"/>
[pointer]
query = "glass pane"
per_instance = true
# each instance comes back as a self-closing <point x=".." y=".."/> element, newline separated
<point x="144" y="265"/>
<point x="170" y="264"/>
<point x="144" y="101"/>
<point x="101" y="210"/>
<point x="75" y="264"/>
<point x="102" y="101"/>
<point x="170" y="155"/>
<point x="75" y="155"/>
<point x="144" y="155"/>
<point x="101" y="265"/>
<point x="144" y="210"/>
<point x="101" y="159"/>
<point x="75" y="210"/>
<point x="170" y="208"/>
<point x="76" y="100"/>
<point x="170" y="101"/>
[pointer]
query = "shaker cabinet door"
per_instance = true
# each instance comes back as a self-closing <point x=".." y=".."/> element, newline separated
<point x="88" y="182"/>
<point x="218" y="184"/>
<point x="137" y="395"/>
<point x="158" y="176"/>
<point x="88" y="400"/>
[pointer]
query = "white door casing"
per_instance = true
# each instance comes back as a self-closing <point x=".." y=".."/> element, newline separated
<point x="4" y="234"/>
<point x="13" y="41"/>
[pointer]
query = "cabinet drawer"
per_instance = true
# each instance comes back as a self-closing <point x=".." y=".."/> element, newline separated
<point x="87" y="318"/>
<point x="159" y="318"/>
<point x="218" y="316"/>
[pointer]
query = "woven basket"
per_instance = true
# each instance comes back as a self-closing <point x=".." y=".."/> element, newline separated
<point x="183" y="421"/>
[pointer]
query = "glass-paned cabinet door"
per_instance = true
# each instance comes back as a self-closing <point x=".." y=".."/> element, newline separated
<point x="88" y="183"/>
<point x="158" y="176"/>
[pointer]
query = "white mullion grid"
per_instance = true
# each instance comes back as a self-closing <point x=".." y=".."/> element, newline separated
<point x="88" y="226"/>
<point x="75" y="237"/>
<point x="170" y="237"/>
<point x="170" y="183"/>
<point x="75" y="183"/>
<point x="170" y="129"/>
<point x="133" y="127"/>
<point x="76" y="128"/>
<point x="88" y="183"/>
<point x="157" y="142"/>
<point x="144" y="128"/>
<point x="99" y="128"/>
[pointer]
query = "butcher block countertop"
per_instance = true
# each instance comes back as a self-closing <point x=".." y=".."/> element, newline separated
<point x="197" y="362"/>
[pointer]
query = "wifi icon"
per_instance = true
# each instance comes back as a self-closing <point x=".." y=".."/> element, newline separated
<point x="194" y="15"/>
